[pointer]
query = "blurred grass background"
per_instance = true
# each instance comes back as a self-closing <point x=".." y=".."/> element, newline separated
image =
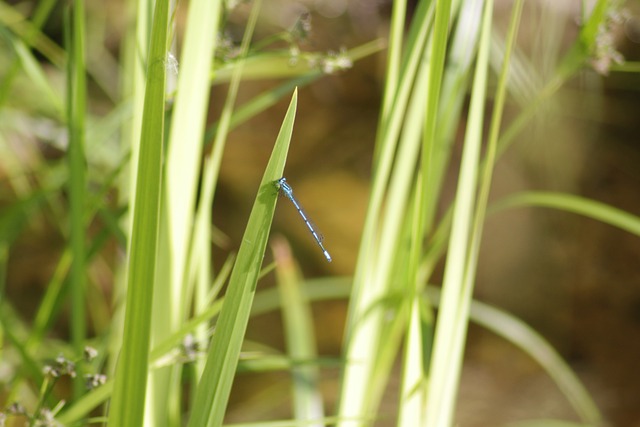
<point x="573" y="279"/>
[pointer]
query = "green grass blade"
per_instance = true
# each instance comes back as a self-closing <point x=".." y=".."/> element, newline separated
<point x="135" y="48"/>
<point x="575" y="204"/>
<point x="211" y="397"/>
<point x="184" y="154"/>
<point x="87" y="403"/>
<point x="51" y="100"/>
<point x="436" y="67"/>
<point x="127" y="406"/>
<point x="268" y="99"/>
<point x="569" y="66"/>
<point x="394" y="59"/>
<point x="187" y="127"/>
<point x="591" y="28"/>
<point x="452" y="318"/>
<point x="47" y="309"/>
<point x="299" y="336"/>
<point x="361" y="338"/>
<point x="413" y="396"/>
<point x="468" y="281"/>
<point x="76" y="110"/>
<point x="548" y="423"/>
<point x="12" y="333"/>
<point x="209" y="181"/>
<point x="261" y="102"/>
<point x="460" y="58"/>
<point x="11" y="17"/>
<point x="532" y="343"/>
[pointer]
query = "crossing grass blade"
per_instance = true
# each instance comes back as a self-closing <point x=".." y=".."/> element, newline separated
<point x="212" y="394"/>
<point x="523" y="336"/>
<point x="575" y="204"/>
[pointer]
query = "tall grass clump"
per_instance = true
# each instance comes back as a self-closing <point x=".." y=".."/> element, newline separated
<point x="447" y="50"/>
<point x="163" y="347"/>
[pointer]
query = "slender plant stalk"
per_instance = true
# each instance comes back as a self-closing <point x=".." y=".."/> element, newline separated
<point x="76" y="102"/>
